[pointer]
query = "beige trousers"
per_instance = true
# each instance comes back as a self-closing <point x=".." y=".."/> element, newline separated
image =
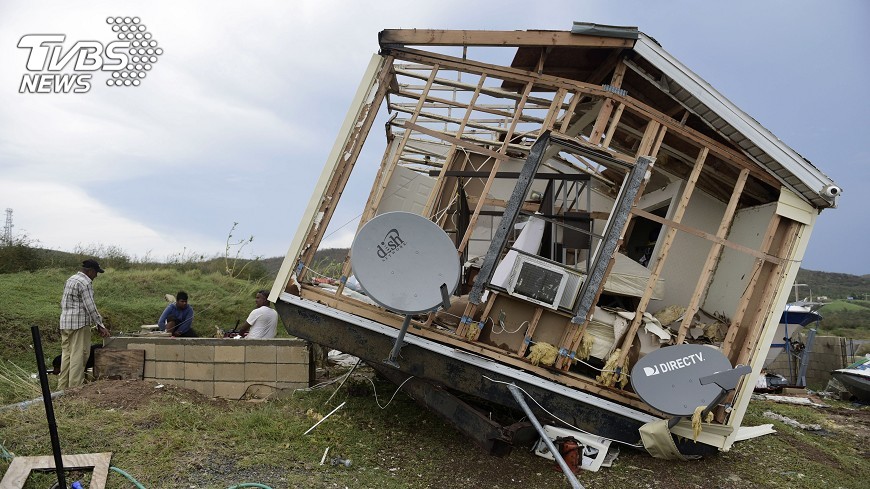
<point x="75" y="346"/>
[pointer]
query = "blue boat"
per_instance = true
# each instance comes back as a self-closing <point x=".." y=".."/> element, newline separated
<point x="795" y="317"/>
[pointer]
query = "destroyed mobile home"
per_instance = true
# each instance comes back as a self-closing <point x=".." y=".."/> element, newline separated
<point x="604" y="203"/>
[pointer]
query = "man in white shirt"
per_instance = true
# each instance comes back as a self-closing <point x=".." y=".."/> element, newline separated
<point x="262" y="322"/>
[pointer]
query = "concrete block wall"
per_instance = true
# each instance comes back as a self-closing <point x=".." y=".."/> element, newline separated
<point x="826" y="355"/>
<point x="225" y="368"/>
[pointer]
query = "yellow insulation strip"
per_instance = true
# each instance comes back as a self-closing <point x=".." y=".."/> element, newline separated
<point x="696" y="421"/>
<point x="543" y="353"/>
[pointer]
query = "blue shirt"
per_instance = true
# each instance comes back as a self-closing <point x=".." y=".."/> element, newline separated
<point x="183" y="316"/>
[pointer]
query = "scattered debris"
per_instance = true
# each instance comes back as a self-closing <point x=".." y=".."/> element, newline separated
<point x="341" y="461"/>
<point x="800" y="401"/>
<point x="324" y="418"/>
<point x="791" y="422"/>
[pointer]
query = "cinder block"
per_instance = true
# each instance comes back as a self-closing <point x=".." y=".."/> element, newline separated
<point x="148" y="347"/>
<point x="293" y="372"/>
<point x="204" y="388"/>
<point x="231" y="372"/>
<point x="260" y="372"/>
<point x="169" y="370"/>
<point x="229" y="390"/>
<point x="293" y="354"/>
<point x="199" y="371"/>
<point x="198" y="353"/>
<point x="230" y="353"/>
<point x="178" y="382"/>
<point x="169" y="353"/>
<point x="260" y="354"/>
<point x="150" y="369"/>
<point x="291" y="386"/>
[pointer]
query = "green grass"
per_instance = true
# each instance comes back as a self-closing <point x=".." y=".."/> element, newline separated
<point x="178" y="439"/>
<point x="843" y="305"/>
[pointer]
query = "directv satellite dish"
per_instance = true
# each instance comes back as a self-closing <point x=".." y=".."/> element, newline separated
<point x="401" y="261"/>
<point x="678" y="379"/>
<point x="405" y="263"/>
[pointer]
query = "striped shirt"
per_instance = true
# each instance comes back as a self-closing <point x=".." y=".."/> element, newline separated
<point x="77" y="307"/>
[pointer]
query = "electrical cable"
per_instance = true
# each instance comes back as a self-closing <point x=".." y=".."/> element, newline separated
<point x="394" y="393"/>
<point x="634" y="445"/>
<point x="504" y="330"/>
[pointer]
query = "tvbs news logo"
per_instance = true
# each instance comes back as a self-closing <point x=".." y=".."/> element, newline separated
<point x="129" y="59"/>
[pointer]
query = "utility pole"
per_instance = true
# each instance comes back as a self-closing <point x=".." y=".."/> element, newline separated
<point x="7" y="229"/>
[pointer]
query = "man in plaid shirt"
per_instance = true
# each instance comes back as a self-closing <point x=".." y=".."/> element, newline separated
<point x="78" y="313"/>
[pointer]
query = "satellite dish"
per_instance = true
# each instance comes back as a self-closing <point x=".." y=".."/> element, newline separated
<point x="678" y="379"/>
<point x="402" y="260"/>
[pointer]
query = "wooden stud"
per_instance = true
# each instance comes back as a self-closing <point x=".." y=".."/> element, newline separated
<point x="339" y="177"/>
<point x="712" y="258"/>
<point x="533" y="324"/>
<point x="473" y="221"/>
<point x="612" y="129"/>
<point x="771" y="286"/>
<point x="369" y="213"/>
<point x="743" y="305"/>
<point x="708" y="236"/>
<point x="665" y="249"/>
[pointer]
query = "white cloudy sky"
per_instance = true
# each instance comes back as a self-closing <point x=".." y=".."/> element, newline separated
<point x="235" y="120"/>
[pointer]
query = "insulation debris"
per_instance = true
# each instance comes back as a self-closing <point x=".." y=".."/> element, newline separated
<point x="543" y="353"/>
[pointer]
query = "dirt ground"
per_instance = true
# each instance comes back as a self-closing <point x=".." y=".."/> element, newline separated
<point x="633" y="468"/>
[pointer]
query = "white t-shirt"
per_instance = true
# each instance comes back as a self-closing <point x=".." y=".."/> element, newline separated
<point x="264" y="323"/>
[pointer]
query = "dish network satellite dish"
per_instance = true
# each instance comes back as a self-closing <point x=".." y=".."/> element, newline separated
<point x="405" y="263"/>
<point x="678" y="379"/>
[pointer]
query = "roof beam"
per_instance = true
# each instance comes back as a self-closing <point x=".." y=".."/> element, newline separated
<point x="441" y="37"/>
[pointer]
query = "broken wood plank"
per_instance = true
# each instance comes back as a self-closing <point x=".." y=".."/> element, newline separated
<point x="20" y="468"/>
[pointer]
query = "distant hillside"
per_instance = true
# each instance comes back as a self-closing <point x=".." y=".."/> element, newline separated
<point x="832" y="285"/>
<point x="328" y="256"/>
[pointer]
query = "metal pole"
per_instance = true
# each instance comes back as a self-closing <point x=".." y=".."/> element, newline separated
<point x="398" y="344"/>
<point x="49" y="409"/>
<point x="556" y="455"/>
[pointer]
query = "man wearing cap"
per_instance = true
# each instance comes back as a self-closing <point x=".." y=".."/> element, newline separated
<point x="78" y="313"/>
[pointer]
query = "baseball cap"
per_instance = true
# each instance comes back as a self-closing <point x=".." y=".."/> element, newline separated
<point x="93" y="265"/>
